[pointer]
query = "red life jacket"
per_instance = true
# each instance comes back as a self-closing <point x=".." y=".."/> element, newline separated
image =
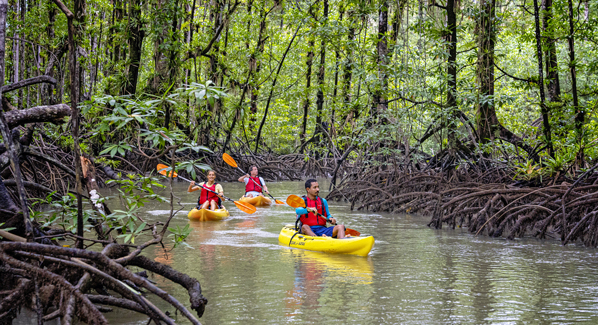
<point x="251" y="186"/>
<point x="311" y="219"/>
<point x="206" y="195"/>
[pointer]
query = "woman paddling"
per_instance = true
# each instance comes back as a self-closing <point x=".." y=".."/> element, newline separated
<point x="254" y="185"/>
<point x="208" y="199"/>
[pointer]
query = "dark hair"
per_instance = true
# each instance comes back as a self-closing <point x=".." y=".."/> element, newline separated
<point x="309" y="182"/>
<point x="252" y="167"/>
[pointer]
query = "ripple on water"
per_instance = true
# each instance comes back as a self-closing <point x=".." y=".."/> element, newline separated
<point x="249" y="232"/>
<point x="165" y="212"/>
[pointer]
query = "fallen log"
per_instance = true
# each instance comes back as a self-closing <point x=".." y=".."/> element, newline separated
<point x="52" y="114"/>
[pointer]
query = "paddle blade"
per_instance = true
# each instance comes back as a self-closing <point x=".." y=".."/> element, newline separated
<point x="278" y="201"/>
<point x="295" y="201"/>
<point x="245" y="207"/>
<point x="352" y="232"/>
<point x="165" y="170"/>
<point x="229" y="160"/>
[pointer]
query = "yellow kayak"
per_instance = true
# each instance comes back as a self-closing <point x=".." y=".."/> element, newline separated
<point x="208" y="215"/>
<point x="258" y="201"/>
<point x="353" y="245"/>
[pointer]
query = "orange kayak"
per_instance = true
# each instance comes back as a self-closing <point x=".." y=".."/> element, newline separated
<point x="258" y="201"/>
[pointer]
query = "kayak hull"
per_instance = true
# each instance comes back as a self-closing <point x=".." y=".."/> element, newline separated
<point x="208" y="215"/>
<point x="258" y="201"/>
<point x="354" y="245"/>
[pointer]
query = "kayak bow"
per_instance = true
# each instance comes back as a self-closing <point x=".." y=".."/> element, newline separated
<point x="258" y="201"/>
<point x="351" y="245"/>
<point x="208" y="215"/>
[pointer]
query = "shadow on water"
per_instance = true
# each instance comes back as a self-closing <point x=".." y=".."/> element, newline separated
<point x="414" y="274"/>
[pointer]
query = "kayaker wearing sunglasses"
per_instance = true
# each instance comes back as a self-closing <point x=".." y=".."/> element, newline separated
<point x="313" y="224"/>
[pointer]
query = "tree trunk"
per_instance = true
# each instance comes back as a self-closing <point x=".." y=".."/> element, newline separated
<point x="579" y="113"/>
<point x="337" y="62"/>
<point x="309" y="62"/>
<point x="215" y="70"/>
<point x="486" y="32"/>
<point x="118" y="16"/>
<point x="544" y="109"/>
<point x="259" y="131"/>
<point x="451" y="40"/>
<point x="348" y="68"/>
<point x="251" y="85"/>
<point x="379" y="99"/>
<point x="552" y="69"/>
<point x="136" y="35"/>
<point x="256" y="66"/>
<point x="321" y="76"/>
<point x="10" y="142"/>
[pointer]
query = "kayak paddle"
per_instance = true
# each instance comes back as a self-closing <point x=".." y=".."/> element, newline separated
<point x="231" y="162"/>
<point x="298" y="202"/>
<point x="245" y="207"/>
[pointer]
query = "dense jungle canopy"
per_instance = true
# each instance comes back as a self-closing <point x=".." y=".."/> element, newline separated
<point x="273" y="75"/>
<point x="479" y="113"/>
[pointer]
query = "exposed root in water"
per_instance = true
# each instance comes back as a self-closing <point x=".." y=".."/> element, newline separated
<point x="66" y="278"/>
<point x="486" y="201"/>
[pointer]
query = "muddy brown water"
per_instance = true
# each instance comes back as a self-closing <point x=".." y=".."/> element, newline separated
<point x="414" y="274"/>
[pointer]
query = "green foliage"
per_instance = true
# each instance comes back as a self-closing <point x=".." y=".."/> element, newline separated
<point x="179" y="234"/>
<point x="528" y="171"/>
<point x="61" y="212"/>
<point x="6" y="229"/>
<point x="191" y="166"/>
<point x="134" y="192"/>
<point x="116" y="148"/>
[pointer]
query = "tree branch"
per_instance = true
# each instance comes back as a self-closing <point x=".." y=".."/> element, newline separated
<point x="511" y="76"/>
<point x="51" y="113"/>
<point x="29" y="82"/>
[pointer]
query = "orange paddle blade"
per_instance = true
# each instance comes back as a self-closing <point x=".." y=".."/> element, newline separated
<point x="295" y="201"/>
<point x="245" y="207"/>
<point x="352" y="232"/>
<point x="162" y="169"/>
<point x="278" y="201"/>
<point x="229" y="160"/>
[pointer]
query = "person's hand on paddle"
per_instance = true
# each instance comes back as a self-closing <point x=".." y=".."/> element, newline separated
<point x="314" y="210"/>
<point x="245" y="207"/>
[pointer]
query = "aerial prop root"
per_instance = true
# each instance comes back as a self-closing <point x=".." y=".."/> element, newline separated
<point x="103" y="267"/>
<point x="494" y="209"/>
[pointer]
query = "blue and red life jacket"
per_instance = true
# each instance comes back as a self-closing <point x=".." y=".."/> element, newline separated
<point x="311" y="219"/>
<point x="252" y="186"/>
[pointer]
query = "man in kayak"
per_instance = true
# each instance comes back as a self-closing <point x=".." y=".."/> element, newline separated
<point x="314" y="224"/>
<point x="254" y="185"/>
<point x="208" y="199"/>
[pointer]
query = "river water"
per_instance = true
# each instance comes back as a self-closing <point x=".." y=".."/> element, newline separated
<point x="414" y="274"/>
